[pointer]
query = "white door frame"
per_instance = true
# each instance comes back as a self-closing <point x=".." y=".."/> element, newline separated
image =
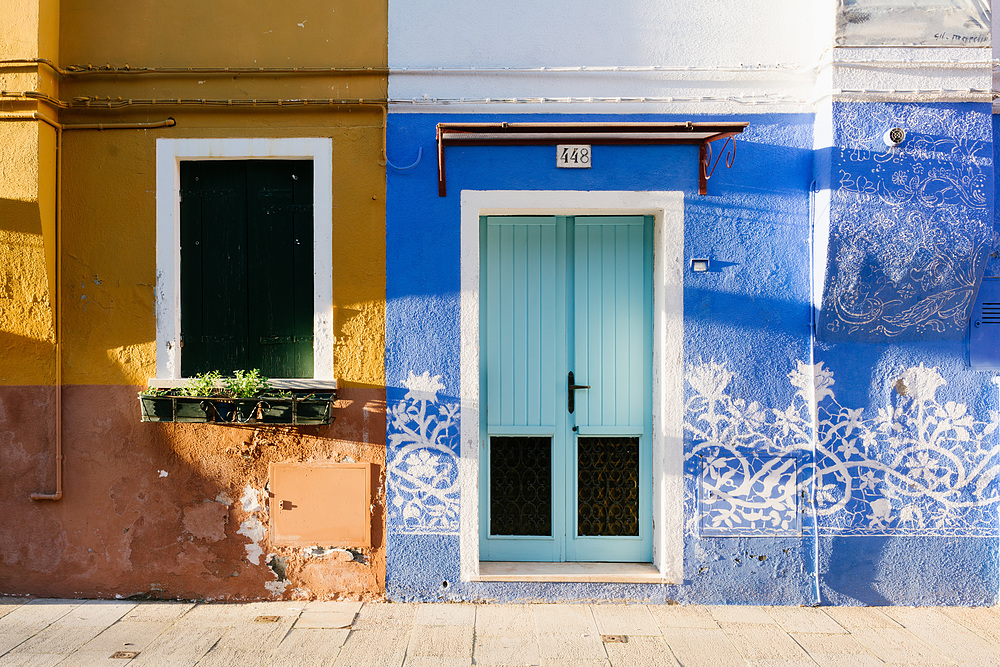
<point x="667" y="209"/>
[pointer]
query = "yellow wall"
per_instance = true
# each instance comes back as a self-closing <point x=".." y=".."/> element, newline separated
<point x="108" y="177"/>
<point x="109" y="223"/>
<point x="27" y="201"/>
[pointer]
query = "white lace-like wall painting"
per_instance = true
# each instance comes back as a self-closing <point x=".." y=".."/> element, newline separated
<point x="423" y="439"/>
<point x="922" y="465"/>
<point x="910" y="226"/>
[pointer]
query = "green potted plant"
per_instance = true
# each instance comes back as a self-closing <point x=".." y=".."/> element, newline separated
<point x="243" y="391"/>
<point x="244" y="398"/>
<point x="194" y="403"/>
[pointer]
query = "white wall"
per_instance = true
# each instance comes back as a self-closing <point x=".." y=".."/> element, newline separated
<point x="553" y="33"/>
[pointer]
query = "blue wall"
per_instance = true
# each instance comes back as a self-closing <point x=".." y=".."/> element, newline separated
<point x="906" y="487"/>
<point x="752" y="532"/>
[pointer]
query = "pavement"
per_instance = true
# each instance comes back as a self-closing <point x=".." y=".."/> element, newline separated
<point x="44" y="632"/>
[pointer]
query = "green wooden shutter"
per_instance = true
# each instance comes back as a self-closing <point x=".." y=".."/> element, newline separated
<point x="213" y="267"/>
<point x="280" y="279"/>
<point x="247" y="266"/>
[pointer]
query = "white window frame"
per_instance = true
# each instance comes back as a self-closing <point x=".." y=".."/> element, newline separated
<point x="169" y="155"/>
<point x="667" y="210"/>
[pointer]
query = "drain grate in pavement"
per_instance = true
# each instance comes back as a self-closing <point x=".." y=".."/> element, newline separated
<point x="126" y="655"/>
<point x="267" y="619"/>
<point x="614" y="639"/>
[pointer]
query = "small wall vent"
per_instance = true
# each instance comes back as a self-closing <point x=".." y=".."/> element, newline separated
<point x="984" y="327"/>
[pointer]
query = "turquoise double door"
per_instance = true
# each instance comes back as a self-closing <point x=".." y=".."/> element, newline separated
<point x="565" y="378"/>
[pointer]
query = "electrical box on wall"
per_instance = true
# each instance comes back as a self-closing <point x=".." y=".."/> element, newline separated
<point x="984" y="327"/>
<point x="326" y="504"/>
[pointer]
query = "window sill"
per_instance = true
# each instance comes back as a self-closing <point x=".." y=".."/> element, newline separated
<point x="277" y="383"/>
<point x="624" y="573"/>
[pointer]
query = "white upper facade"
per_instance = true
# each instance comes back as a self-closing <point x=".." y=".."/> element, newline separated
<point x="712" y="56"/>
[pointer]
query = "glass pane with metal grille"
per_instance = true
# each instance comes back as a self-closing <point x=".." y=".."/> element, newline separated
<point x="607" y="486"/>
<point x="521" y="485"/>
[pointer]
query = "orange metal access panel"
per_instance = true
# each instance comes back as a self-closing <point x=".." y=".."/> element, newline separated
<point x="318" y="503"/>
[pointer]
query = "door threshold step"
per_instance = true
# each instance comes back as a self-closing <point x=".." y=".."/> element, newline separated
<point x="625" y="573"/>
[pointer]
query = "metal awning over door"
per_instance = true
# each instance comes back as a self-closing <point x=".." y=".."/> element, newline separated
<point x="535" y="134"/>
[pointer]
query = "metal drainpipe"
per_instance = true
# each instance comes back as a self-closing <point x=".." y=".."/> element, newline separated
<point x="814" y="408"/>
<point x="57" y="296"/>
<point x="57" y="288"/>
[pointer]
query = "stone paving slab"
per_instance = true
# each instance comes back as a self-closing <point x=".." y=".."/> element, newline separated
<point x="641" y="652"/>
<point x="741" y="614"/>
<point x="329" y="620"/>
<point x="444" y="641"/>
<point x="682" y="616"/>
<point x="72" y="633"/>
<point x="758" y="642"/>
<point x="576" y="647"/>
<point x="158" y="611"/>
<point x="374" y="648"/>
<point x="180" y="645"/>
<point x="851" y="618"/>
<point x="625" y="619"/>
<point x="945" y="635"/>
<point x="504" y="620"/>
<point x="805" y="620"/>
<point x="556" y="618"/>
<point x="445" y="614"/>
<point x="899" y="646"/>
<point x="701" y="647"/>
<point x="382" y="615"/>
<point x="309" y="648"/>
<point x="125" y="636"/>
<point x="32" y="659"/>
<point x="984" y="621"/>
<point x="505" y="651"/>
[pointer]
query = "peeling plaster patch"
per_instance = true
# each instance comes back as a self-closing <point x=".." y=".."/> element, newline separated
<point x="207" y="521"/>
<point x="163" y="473"/>
<point x="253" y="529"/>
<point x="250" y="500"/>
<point x="343" y="555"/>
<point x="276" y="587"/>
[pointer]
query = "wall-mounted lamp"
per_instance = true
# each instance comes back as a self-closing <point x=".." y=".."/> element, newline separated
<point x="699" y="265"/>
<point x="894" y="137"/>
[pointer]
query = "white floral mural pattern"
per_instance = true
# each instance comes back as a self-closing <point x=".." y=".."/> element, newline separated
<point x="910" y="226"/>
<point x="423" y="459"/>
<point x="920" y="466"/>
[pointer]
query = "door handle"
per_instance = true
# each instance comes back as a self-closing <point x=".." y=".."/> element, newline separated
<point x="572" y="387"/>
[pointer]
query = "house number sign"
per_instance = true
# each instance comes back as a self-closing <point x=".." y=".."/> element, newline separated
<point x="573" y="156"/>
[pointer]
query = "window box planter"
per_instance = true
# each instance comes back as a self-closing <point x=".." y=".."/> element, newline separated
<point x="157" y="408"/>
<point x="295" y="410"/>
<point x="309" y="409"/>
<point x="193" y="410"/>
<point x="168" y="408"/>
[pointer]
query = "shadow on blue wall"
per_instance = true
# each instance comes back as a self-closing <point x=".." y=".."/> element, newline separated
<point x="911" y="226"/>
